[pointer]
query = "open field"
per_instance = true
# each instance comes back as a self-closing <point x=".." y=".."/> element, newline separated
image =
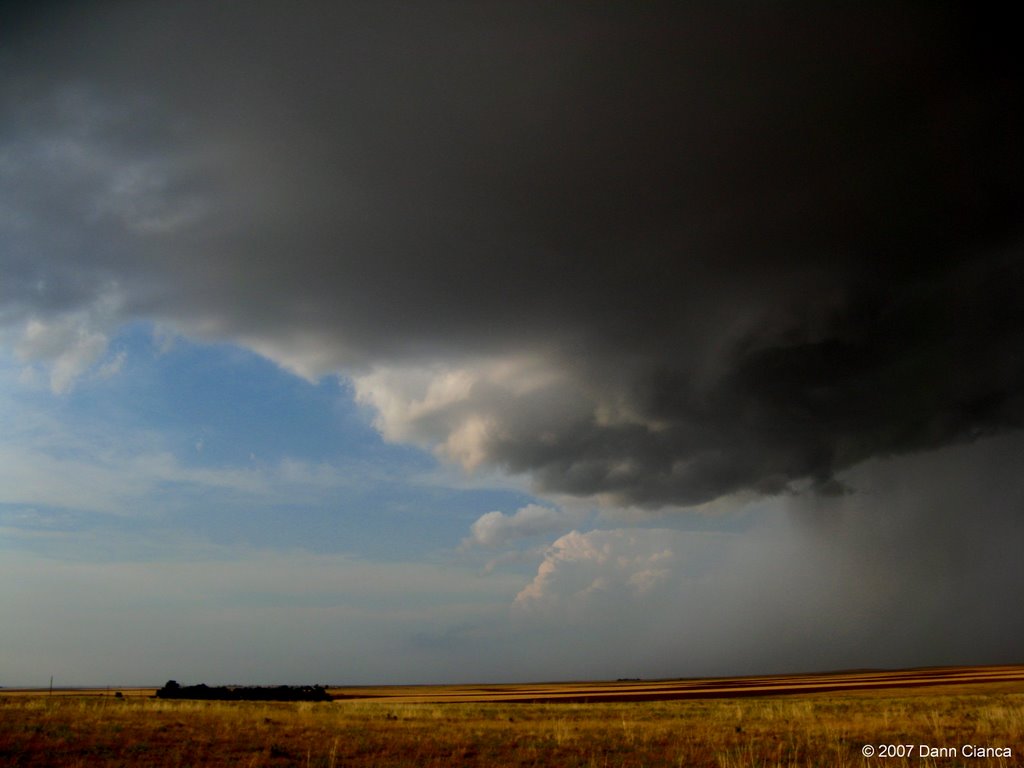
<point x="822" y="720"/>
<point x="959" y="679"/>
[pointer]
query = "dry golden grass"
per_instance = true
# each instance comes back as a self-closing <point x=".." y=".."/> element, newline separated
<point x="822" y="729"/>
<point x="1007" y="679"/>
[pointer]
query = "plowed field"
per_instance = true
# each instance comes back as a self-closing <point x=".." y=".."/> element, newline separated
<point x="1005" y="679"/>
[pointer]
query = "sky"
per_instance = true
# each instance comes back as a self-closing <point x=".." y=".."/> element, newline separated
<point x="386" y="342"/>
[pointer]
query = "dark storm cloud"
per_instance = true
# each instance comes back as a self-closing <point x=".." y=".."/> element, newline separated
<point x="779" y="240"/>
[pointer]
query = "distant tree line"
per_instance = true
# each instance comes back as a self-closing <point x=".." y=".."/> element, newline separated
<point x="244" y="692"/>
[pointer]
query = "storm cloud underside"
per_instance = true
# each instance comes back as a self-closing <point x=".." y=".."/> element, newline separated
<point x="657" y="255"/>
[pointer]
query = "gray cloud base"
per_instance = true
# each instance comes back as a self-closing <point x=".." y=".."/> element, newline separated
<point x="778" y="241"/>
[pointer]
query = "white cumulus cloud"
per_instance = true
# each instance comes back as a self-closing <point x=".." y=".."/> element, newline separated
<point x="496" y="529"/>
<point x="622" y="562"/>
<point x="463" y="410"/>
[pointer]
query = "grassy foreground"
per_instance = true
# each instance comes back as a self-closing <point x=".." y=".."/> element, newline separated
<point x="827" y="730"/>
